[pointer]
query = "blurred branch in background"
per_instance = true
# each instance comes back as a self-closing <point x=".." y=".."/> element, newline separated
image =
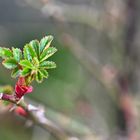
<point x="85" y="15"/>
<point x="127" y="75"/>
<point x="104" y="75"/>
<point x="72" y="13"/>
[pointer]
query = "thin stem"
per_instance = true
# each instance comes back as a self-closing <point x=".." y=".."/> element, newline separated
<point x="37" y="116"/>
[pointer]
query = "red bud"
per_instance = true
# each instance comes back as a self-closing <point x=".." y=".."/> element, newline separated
<point x="21" y="88"/>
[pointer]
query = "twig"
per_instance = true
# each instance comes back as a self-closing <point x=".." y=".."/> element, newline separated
<point x="127" y="76"/>
<point x="89" y="62"/>
<point x="37" y="116"/>
<point x="73" y="13"/>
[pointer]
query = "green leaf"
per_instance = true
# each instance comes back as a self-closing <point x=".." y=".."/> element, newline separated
<point x="10" y="63"/>
<point x="5" y="53"/>
<point x="30" y="63"/>
<point x="32" y="51"/>
<point x="25" y="71"/>
<point x="17" y="54"/>
<point x="48" y="64"/>
<point x="15" y="72"/>
<point x="26" y="52"/>
<point x="47" y="53"/>
<point x="29" y="79"/>
<point x="35" y="62"/>
<point x="39" y="77"/>
<point x="44" y="73"/>
<point x="45" y="42"/>
<point x="35" y="45"/>
<point x="29" y="52"/>
<point x="27" y="64"/>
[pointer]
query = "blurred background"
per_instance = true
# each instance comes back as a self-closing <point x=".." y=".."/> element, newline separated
<point x="94" y="92"/>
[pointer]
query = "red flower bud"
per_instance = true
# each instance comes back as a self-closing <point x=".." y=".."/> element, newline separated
<point x="21" y="88"/>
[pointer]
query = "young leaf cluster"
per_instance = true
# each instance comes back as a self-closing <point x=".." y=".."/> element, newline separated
<point x="32" y="62"/>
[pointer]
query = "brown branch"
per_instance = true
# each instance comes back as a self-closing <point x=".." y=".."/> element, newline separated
<point x="90" y="63"/>
<point x="37" y="116"/>
<point x="72" y="13"/>
<point x="126" y="79"/>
